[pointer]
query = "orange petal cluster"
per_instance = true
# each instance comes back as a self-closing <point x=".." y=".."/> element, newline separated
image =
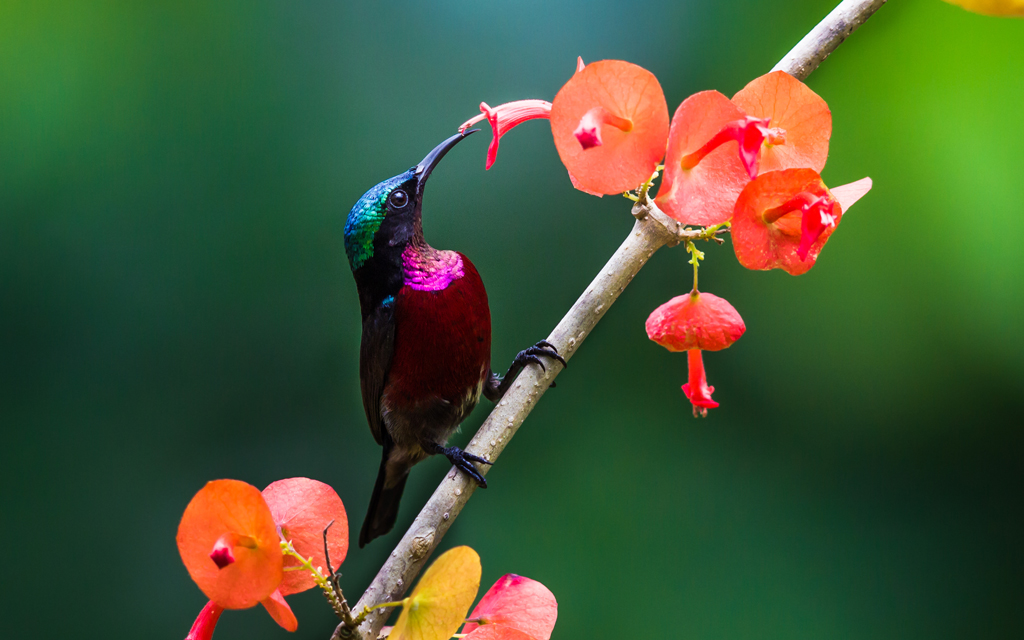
<point x="230" y="538"/>
<point x="752" y="160"/>
<point x="782" y="122"/>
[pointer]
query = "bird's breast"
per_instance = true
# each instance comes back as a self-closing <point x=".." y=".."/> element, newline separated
<point x="442" y="337"/>
<point x="430" y="269"/>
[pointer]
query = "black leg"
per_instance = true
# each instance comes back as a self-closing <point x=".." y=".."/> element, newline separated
<point x="496" y="387"/>
<point x="461" y="459"/>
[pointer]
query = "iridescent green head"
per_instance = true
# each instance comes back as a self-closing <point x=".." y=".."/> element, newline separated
<point x="367" y="216"/>
<point x="388" y="215"/>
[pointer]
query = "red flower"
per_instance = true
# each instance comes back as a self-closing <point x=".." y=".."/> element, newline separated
<point x="692" y="323"/>
<point x="506" y="117"/>
<point x="696" y="387"/>
<point x="783" y="219"/>
<point x="777" y="123"/>
<point x="515" y="602"/>
<point x="206" y="622"/>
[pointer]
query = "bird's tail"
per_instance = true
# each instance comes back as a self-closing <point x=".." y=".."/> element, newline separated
<point x="383" y="511"/>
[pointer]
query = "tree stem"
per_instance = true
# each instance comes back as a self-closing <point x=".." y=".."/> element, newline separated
<point x="824" y="38"/>
<point x="652" y="230"/>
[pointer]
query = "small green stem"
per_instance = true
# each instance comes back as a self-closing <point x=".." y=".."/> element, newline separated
<point x="641" y="191"/>
<point x="695" y="257"/>
<point x="336" y="601"/>
<point x="384" y="605"/>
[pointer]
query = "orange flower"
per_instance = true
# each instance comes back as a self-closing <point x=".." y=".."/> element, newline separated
<point x="229" y="544"/>
<point x="244" y="564"/>
<point x="783" y="219"/>
<point x="777" y="123"/>
<point x="610" y="123"/>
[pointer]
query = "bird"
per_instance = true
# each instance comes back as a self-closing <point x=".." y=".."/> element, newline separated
<point x="425" y="355"/>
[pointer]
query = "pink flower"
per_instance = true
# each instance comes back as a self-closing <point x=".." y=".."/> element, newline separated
<point x="506" y="117"/>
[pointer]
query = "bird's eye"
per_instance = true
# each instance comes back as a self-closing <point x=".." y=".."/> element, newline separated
<point x="399" y="198"/>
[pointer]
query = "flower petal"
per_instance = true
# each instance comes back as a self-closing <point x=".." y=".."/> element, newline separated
<point x="517" y="602"/>
<point x="231" y="507"/>
<point x="302" y="508"/>
<point x="438" y="604"/>
<point x="792" y="106"/>
<point x="280" y="611"/>
<point x="625" y="158"/>
<point x="705" y="194"/>
<point x="695" y="321"/>
<point x="848" y="194"/>
<point x="498" y="632"/>
<point x="992" y="7"/>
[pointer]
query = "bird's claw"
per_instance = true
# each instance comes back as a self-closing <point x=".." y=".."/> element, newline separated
<point x="531" y="355"/>
<point x="464" y="460"/>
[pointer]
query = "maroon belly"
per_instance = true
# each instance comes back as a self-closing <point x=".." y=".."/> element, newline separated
<point x="442" y="347"/>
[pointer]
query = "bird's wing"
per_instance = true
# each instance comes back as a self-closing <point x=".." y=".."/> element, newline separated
<point x="374" y="363"/>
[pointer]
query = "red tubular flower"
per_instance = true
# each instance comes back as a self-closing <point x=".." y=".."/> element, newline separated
<point x="696" y="388"/>
<point x="748" y="133"/>
<point x="206" y="622"/>
<point x="692" y="323"/>
<point x="776" y="121"/>
<point x="783" y="219"/>
<point x="506" y="117"/>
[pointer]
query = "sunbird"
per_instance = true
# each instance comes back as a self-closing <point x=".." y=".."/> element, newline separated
<point x="425" y="356"/>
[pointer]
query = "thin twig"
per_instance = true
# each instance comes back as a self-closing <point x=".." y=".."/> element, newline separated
<point x="824" y="38"/>
<point x="652" y="230"/>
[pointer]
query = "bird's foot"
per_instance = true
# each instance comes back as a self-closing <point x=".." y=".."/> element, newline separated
<point x="464" y="461"/>
<point x="497" y="385"/>
<point x="531" y="355"/>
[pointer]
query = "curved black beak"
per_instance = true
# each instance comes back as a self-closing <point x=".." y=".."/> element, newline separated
<point x="424" y="168"/>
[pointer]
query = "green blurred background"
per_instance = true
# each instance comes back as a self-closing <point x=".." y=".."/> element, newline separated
<point x="177" y="307"/>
